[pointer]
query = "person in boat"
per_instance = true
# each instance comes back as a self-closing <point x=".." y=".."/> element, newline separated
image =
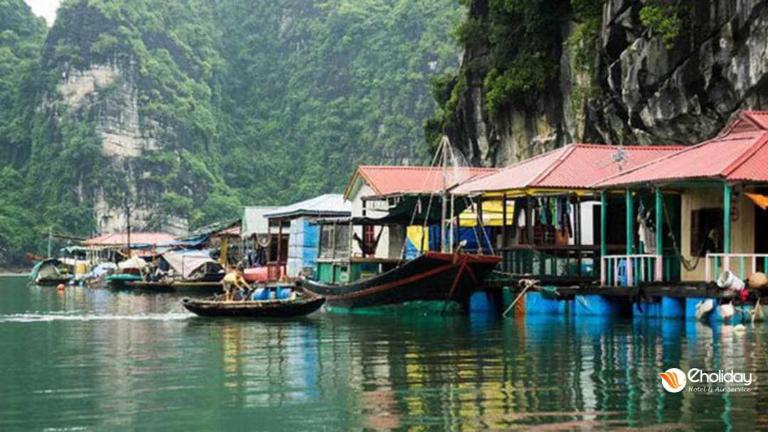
<point x="234" y="280"/>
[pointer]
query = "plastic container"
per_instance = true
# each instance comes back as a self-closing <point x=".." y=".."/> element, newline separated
<point x="260" y="294"/>
<point x="726" y="311"/>
<point x="728" y="280"/>
<point x="284" y="293"/>
<point x="704" y="308"/>
<point x="256" y="274"/>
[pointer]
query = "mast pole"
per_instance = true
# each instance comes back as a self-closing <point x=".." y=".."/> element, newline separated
<point x="444" y="206"/>
<point x="128" y="226"/>
<point x="50" y="236"/>
<point x="452" y="225"/>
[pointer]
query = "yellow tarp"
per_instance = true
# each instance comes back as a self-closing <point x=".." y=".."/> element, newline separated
<point x="415" y="233"/>
<point x="493" y="215"/>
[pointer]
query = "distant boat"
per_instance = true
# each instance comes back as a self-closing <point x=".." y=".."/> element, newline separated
<point x="188" y="271"/>
<point x="303" y="303"/>
<point x="431" y="276"/>
<point x="50" y="272"/>
<point x="122" y="280"/>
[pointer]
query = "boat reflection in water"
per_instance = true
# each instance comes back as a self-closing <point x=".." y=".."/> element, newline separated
<point x="104" y="359"/>
<point x="571" y="373"/>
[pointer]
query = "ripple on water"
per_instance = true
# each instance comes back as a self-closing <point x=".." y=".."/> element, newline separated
<point x="43" y="317"/>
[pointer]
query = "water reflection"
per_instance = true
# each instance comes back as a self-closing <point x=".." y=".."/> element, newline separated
<point x="122" y="360"/>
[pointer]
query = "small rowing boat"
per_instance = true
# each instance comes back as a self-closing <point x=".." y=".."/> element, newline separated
<point x="303" y="303"/>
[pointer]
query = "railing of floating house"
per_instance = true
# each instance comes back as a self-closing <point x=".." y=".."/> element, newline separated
<point x="565" y="261"/>
<point x="738" y="263"/>
<point x="643" y="268"/>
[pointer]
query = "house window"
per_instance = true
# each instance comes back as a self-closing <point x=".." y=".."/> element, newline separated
<point x="706" y="231"/>
<point x="334" y="241"/>
<point x="369" y="239"/>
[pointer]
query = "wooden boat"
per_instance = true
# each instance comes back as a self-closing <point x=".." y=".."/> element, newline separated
<point x="304" y="304"/>
<point x="48" y="272"/>
<point x="432" y="276"/>
<point x="122" y="280"/>
<point x="197" y="286"/>
<point x="150" y="285"/>
<point x="53" y="281"/>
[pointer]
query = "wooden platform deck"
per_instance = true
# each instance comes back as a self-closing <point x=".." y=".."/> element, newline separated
<point x="647" y="290"/>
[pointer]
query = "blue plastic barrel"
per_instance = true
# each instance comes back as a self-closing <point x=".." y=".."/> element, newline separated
<point x="260" y="294"/>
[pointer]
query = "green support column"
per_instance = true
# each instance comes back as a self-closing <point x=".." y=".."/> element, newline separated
<point x="659" y="269"/>
<point x="727" y="190"/>
<point x="630" y="222"/>
<point x="603" y="223"/>
<point x="659" y="222"/>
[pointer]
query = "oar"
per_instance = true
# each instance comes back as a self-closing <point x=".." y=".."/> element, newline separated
<point x="528" y="285"/>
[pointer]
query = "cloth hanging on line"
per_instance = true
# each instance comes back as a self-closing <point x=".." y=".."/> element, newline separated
<point x="646" y="229"/>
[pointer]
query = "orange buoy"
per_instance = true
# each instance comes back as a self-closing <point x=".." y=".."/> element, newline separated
<point x="60" y="287"/>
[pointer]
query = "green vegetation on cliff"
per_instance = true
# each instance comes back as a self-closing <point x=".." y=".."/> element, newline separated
<point x="235" y="102"/>
<point x="21" y="35"/>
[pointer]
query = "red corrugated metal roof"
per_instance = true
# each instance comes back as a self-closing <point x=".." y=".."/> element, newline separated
<point x="389" y="180"/>
<point x="119" y="239"/>
<point x="739" y="153"/>
<point x="575" y="166"/>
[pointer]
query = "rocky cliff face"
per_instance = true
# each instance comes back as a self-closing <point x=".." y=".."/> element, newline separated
<point x="107" y="95"/>
<point x="672" y="74"/>
<point x="126" y="110"/>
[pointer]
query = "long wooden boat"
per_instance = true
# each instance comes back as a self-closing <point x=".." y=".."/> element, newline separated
<point x="150" y="286"/>
<point x="122" y="280"/>
<point x="432" y="276"/>
<point x="210" y="287"/>
<point x="302" y="305"/>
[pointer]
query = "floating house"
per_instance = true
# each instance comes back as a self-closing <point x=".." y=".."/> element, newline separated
<point x="694" y="213"/>
<point x="297" y="234"/>
<point x="387" y="194"/>
<point x="553" y="232"/>
<point x="393" y="209"/>
<point x="105" y="247"/>
<point x="259" y="244"/>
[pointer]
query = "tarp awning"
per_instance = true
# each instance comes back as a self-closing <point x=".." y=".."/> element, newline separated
<point x="187" y="262"/>
<point x="132" y="263"/>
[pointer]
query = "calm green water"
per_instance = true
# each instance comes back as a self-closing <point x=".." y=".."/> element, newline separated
<point x="94" y="360"/>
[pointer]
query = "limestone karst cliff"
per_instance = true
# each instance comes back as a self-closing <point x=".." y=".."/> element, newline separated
<point x="183" y="111"/>
<point x="614" y="71"/>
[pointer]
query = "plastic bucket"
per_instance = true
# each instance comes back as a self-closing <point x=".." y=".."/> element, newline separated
<point x="728" y="280"/>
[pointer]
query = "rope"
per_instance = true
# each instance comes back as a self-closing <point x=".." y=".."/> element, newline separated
<point x="687" y="264"/>
<point x="470" y="202"/>
<point x="413" y="218"/>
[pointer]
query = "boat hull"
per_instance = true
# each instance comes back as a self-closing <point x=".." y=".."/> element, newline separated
<point x="197" y="287"/>
<point x="122" y="280"/>
<point x="254" y="309"/>
<point x="53" y="281"/>
<point x="150" y="286"/>
<point x="432" y="276"/>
